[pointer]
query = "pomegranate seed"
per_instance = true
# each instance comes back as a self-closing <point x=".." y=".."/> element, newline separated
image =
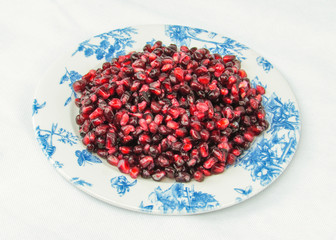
<point x="198" y="176"/>
<point x="260" y="89"/>
<point x="113" y="160"/>
<point x="172" y="125"/>
<point x="159" y="175"/>
<point x="222" y="123"/>
<point x="134" y="172"/>
<point x="187" y="147"/>
<point x="146" y="161"/>
<point x="205" y="79"/>
<point x="183" y="177"/>
<point x="204" y="150"/>
<point x="217" y="168"/>
<point x="209" y="163"/>
<point x="78" y="86"/>
<point x="115" y="103"/>
<point x="124" y="166"/>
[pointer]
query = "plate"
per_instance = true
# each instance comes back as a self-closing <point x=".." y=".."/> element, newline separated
<point x="54" y="112"/>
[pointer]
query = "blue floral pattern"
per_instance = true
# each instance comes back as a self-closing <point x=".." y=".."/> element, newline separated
<point x="37" y="106"/>
<point x="265" y="159"/>
<point x="108" y="45"/>
<point x="70" y="77"/>
<point x="122" y="184"/>
<point x="57" y="164"/>
<point x="85" y="157"/>
<point x="182" y="35"/>
<point x="78" y="181"/>
<point x="266" y="65"/>
<point x="45" y="138"/>
<point x="178" y="198"/>
<point x="244" y="193"/>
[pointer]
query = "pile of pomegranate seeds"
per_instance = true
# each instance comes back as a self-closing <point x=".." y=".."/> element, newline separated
<point x="169" y="113"/>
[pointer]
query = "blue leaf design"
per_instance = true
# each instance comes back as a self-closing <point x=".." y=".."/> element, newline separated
<point x="85" y="157"/>
<point x="78" y="181"/>
<point x="70" y="78"/>
<point x="67" y="101"/>
<point x="88" y="52"/>
<point x="122" y="184"/>
<point x="178" y="198"/>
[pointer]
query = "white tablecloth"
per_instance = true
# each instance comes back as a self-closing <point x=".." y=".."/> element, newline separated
<point x="298" y="37"/>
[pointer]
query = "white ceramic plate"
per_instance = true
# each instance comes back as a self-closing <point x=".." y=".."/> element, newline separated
<point x="54" y="112"/>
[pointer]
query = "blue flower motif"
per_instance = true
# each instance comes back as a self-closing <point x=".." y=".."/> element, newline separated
<point x="244" y="192"/>
<point x="85" y="157"/>
<point x="266" y="65"/>
<point x="81" y="182"/>
<point x="45" y="137"/>
<point x="57" y="164"/>
<point x="70" y="77"/>
<point x="122" y="184"/>
<point x="265" y="159"/>
<point x="112" y="44"/>
<point x="178" y="198"/>
<point x="182" y="35"/>
<point x="37" y="106"/>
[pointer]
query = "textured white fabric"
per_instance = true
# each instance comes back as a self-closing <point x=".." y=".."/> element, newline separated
<point x="298" y="37"/>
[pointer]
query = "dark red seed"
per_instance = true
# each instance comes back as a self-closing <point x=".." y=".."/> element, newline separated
<point x="146" y="161"/>
<point x="199" y="176"/>
<point x="134" y="172"/>
<point x="158" y="176"/>
<point x="124" y="166"/>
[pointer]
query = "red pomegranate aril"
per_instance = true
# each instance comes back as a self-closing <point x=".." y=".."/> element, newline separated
<point x="124" y="119"/>
<point x="203" y="148"/>
<point x="179" y="74"/>
<point x="195" y="134"/>
<point x="124" y="166"/>
<point x="134" y="172"/>
<point x="125" y="150"/>
<point x="199" y="176"/>
<point x="231" y="158"/>
<point x="167" y="112"/>
<point x="143" y="139"/>
<point x="158" y="176"/>
<point x="238" y="139"/>
<point x="205" y="79"/>
<point x="217" y="168"/>
<point x="222" y="123"/>
<point x="173" y="112"/>
<point x="113" y="160"/>
<point x="128" y="129"/>
<point x="146" y="161"/>
<point x="173" y="125"/>
<point x="209" y="163"/>
<point x="78" y="86"/>
<point x="183" y="177"/>
<point x="260" y="89"/>
<point x="115" y="103"/>
<point x="187" y="147"/>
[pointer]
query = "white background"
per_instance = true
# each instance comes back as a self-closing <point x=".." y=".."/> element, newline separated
<point x="298" y="37"/>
